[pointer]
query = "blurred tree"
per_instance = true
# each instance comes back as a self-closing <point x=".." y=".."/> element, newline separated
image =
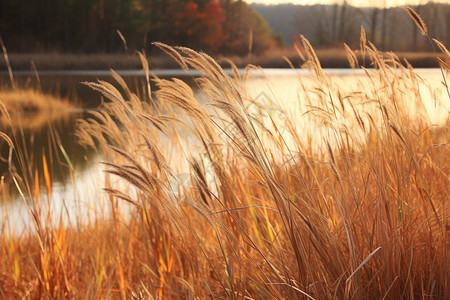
<point x="279" y="39"/>
<point x="214" y="17"/>
<point x="373" y="24"/>
<point x="189" y="24"/>
<point x="376" y="17"/>
<point x="384" y="16"/>
<point x="281" y="19"/>
<point x="329" y="25"/>
<point x="91" y="25"/>
<point x="245" y="29"/>
<point x="343" y="20"/>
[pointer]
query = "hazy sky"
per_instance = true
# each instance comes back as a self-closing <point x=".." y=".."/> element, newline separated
<point x="352" y="2"/>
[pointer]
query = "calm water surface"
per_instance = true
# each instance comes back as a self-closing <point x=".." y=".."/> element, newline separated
<point x="78" y="181"/>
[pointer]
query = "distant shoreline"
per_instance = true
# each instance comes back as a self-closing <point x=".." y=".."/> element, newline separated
<point x="56" y="62"/>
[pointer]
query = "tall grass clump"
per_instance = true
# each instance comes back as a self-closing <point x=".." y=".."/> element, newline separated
<point x="341" y="193"/>
<point x="354" y="207"/>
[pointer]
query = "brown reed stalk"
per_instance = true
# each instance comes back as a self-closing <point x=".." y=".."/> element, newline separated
<point x="417" y="19"/>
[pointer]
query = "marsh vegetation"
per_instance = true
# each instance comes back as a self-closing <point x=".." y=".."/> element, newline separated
<point x="339" y="193"/>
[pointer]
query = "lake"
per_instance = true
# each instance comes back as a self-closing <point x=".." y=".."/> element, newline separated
<point x="78" y="177"/>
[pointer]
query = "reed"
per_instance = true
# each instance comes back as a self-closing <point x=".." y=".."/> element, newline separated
<point x="353" y="207"/>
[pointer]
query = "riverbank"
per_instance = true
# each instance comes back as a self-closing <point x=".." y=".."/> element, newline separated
<point x="329" y="58"/>
<point x="33" y="101"/>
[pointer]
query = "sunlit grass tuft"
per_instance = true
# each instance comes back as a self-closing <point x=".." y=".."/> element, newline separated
<point x="33" y="101"/>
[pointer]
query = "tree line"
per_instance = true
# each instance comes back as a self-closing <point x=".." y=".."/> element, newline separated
<point x="389" y="28"/>
<point x="110" y="26"/>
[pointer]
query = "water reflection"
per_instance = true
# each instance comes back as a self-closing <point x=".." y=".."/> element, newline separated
<point x="43" y="134"/>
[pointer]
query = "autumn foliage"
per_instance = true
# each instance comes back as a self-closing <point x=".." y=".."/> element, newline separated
<point x="203" y="27"/>
<point x="92" y="26"/>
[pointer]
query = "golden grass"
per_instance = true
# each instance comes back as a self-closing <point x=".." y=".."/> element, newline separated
<point x="31" y="108"/>
<point x="270" y="211"/>
<point x="33" y="101"/>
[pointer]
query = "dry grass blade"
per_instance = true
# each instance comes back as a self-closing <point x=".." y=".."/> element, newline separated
<point x="442" y="47"/>
<point x="362" y="41"/>
<point x="121" y="195"/>
<point x="173" y="53"/>
<point x="362" y="264"/>
<point x="299" y="52"/>
<point x="124" y="41"/>
<point x="312" y="57"/>
<point x="5" y="56"/>
<point x="201" y="182"/>
<point x="157" y="156"/>
<point x="141" y="172"/>
<point x="397" y="132"/>
<point x="145" y="66"/>
<point x="112" y="95"/>
<point x="443" y="63"/>
<point x="248" y="70"/>
<point x="286" y="59"/>
<point x="351" y="57"/>
<point x="4" y="112"/>
<point x="236" y="72"/>
<point x="122" y="83"/>
<point x="7" y="139"/>
<point x="417" y="19"/>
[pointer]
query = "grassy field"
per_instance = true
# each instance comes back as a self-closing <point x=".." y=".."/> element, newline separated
<point x="269" y="211"/>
